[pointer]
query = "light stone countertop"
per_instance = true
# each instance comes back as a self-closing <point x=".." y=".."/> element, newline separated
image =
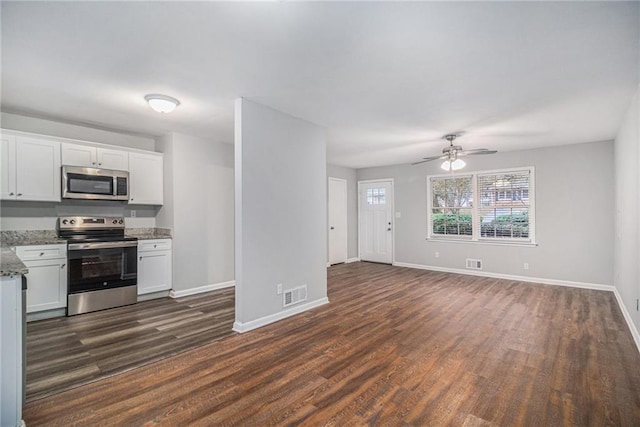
<point x="30" y="237"/>
<point x="10" y="264"/>
<point x="148" y="233"/>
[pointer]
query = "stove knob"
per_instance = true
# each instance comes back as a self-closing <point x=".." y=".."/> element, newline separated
<point x="120" y="221"/>
<point x="73" y="221"/>
<point x="64" y="221"/>
<point x="115" y="221"/>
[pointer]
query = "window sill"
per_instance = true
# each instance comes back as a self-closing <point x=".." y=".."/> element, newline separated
<point x="481" y="242"/>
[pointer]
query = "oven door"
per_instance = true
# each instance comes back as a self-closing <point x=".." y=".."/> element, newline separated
<point x="102" y="265"/>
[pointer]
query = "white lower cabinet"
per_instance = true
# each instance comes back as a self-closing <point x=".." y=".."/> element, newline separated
<point x="154" y="266"/>
<point x="47" y="277"/>
<point x="11" y="365"/>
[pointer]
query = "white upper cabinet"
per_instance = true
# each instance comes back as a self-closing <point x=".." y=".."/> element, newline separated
<point x="38" y="169"/>
<point x="7" y="167"/>
<point x="30" y="169"/>
<point x="145" y="178"/>
<point x="94" y="157"/>
<point x="113" y="159"/>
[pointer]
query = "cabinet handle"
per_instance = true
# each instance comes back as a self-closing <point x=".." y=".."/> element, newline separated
<point x="93" y="163"/>
<point x="12" y="193"/>
<point x="41" y="253"/>
<point x="19" y="194"/>
<point x="63" y="266"/>
<point x="155" y="246"/>
<point x="140" y="258"/>
<point x="99" y="164"/>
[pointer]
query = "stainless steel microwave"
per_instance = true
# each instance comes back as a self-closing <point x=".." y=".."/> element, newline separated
<point x="94" y="184"/>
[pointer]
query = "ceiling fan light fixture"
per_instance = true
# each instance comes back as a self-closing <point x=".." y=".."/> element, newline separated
<point x="454" y="165"/>
<point x="162" y="103"/>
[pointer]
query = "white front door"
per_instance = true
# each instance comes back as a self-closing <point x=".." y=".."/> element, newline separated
<point x="375" y="223"/>
<point x="337" y="220"/>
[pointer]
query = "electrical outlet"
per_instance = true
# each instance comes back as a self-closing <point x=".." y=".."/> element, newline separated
<point x="526" y="265"/>
<point x="133" y="213"/>
<point x="279" y="288"/>
<point x="437" y="254"/>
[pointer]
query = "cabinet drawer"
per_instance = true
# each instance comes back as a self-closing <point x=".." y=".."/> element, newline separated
<point x="29" y="253"/>
<point x="154" y="245"/>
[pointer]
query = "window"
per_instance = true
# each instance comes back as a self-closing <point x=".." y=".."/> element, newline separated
<point x="376" y="196"/>
<point x="503" y="212"/>
<point x="451" y="204"/>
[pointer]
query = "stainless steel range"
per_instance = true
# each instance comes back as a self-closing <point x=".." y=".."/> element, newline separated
<point x="102" y="263"/>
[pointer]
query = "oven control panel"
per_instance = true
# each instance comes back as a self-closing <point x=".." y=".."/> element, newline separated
<point x="92" y="222"/>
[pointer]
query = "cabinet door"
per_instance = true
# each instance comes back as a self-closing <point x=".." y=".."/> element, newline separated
<point x="11" y="366"/>
<point x="46" y="285"/>
<point x="37" y="169"/>
<point x="145" y="179"/>
<point x="154" y="271"/>
<point x="113" y="159"/>
<point x="7" y="167"/>
<point x="78" y="155"/>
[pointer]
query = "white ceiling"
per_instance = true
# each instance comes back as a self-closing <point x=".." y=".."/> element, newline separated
<point x="387" y="80"/>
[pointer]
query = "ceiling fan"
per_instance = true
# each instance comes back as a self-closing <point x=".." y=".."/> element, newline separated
<point x="451" y="154"/>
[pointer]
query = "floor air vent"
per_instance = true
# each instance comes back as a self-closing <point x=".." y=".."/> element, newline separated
<point x="474" y="264"/>
<point x="295" y="295"/>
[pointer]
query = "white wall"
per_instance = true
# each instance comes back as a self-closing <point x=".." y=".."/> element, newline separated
<point x="573" y="215"/>
<point x="199" y="208"/>
<point x="280" y="171"/>
<point x="627" y="210"/>
<point x="74" y="131"/>
<point x="16" y="215"/>
<point x="349" y="175"/>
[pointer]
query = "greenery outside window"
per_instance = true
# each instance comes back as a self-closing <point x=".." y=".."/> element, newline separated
<point x="492" y="206"/>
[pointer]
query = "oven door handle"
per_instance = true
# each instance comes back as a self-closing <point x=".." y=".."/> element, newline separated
<point x="101" y="245"/>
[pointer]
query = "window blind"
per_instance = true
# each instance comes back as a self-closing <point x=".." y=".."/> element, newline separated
<point x="503" y="211"/>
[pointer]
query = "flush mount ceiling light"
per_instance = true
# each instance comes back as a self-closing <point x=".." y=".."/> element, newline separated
<point x="162" y="103"/>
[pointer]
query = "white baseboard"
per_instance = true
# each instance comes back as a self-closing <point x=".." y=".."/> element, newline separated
<point x="349" y="260"/>
<point x="583" y="285"/>
<point x="49" y="314"/>
<point x="201" y="289"/>
<point x="627" y="318"/>
<point x="263" y="321"/>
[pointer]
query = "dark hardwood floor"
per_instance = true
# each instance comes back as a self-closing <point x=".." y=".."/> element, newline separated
<point x="396" y="346"/>
<point x="68" y="351"/>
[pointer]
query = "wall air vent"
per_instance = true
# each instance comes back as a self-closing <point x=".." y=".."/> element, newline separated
<point x="294" y="296"/>
<point x="474" y="264"/>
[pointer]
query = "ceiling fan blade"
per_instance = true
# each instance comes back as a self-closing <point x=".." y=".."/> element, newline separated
<point x="429" y="159"/>
<point x="478" y="151"/>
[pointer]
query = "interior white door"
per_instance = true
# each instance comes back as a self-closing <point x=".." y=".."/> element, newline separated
<point x="337" y="220"/>
<point x="375" y="222"/>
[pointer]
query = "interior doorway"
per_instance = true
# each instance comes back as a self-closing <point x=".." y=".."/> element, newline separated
<point x="337" y="221"/>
